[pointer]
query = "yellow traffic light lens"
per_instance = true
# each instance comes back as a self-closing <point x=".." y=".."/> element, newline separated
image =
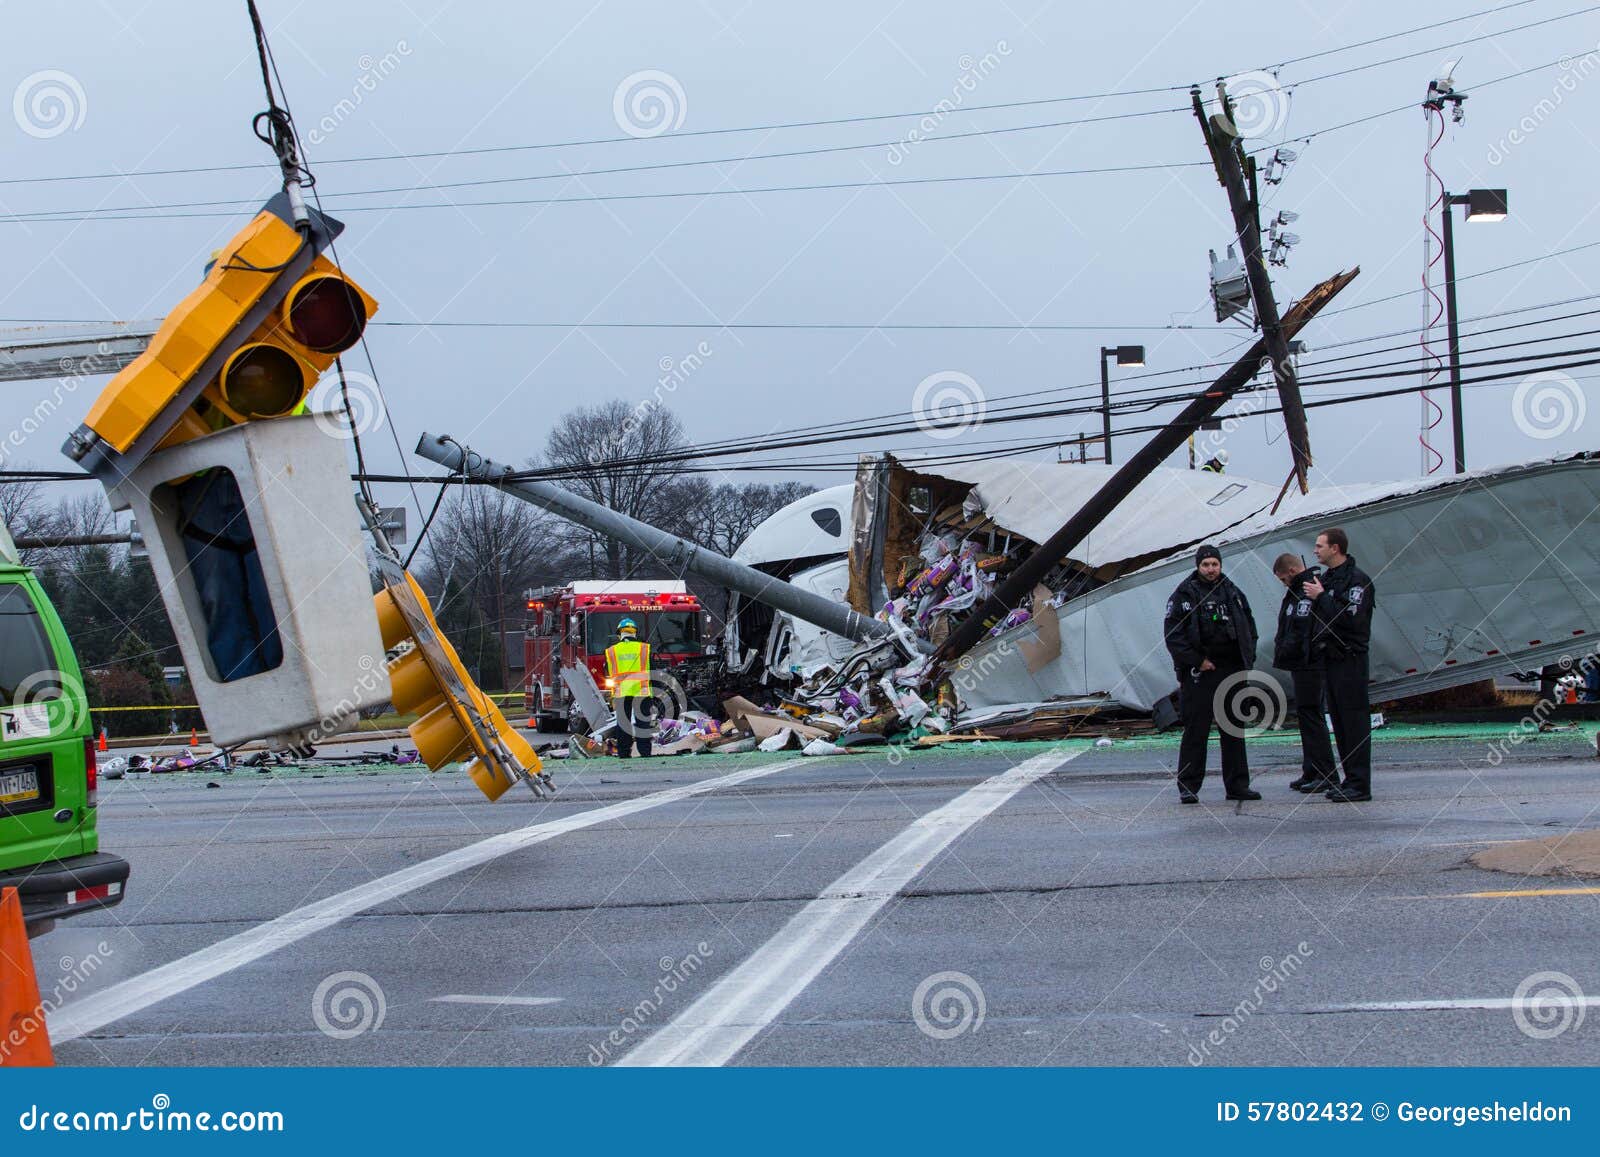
<point x="263" y="381"/>
<point x="326" y="314"/>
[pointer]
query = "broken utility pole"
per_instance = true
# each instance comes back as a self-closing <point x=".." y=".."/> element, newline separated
<point x="1237" y="173"/>
<point x="678" y="555"/>
<point x="1020" y="582"/>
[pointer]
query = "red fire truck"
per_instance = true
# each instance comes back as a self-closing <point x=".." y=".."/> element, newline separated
<point x="572" y="625"/>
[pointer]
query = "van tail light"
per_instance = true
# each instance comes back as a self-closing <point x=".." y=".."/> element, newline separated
<point x="91" y="771"/>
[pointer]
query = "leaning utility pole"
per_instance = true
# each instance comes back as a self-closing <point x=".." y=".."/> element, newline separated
<point x="1014" y="587"/>
<point x="677" y="554"/>
<point x="1237" y="173"/>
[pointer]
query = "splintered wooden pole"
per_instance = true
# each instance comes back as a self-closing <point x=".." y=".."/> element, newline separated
<point x="1228" y="155"/>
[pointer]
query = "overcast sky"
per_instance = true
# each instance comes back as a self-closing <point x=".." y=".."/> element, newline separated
<point x="165" y="85"/>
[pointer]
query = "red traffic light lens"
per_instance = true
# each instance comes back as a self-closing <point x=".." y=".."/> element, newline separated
<point x="263" y="381"/>
<point x="326" y="314"/>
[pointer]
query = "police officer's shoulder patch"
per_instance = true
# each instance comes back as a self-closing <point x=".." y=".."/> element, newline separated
<point x="1169" y="608"/>
<point x="1355" y="594"/>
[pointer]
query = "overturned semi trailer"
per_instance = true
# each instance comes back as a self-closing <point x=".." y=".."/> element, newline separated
<point x="1477" y="574"/>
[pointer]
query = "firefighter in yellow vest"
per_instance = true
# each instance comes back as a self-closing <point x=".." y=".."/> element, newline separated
<point x="628" y="676"/>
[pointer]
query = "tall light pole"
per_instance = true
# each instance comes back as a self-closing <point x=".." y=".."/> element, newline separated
<point x="1482" y="205"/>
<point x="1126" y="355"/>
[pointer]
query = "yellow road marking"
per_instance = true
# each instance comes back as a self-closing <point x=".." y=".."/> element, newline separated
<point x="1528" y="892"/>
<point x="1595" y="891"/>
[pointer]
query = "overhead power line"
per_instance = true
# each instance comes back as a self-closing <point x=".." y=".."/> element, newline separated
<point x="787" y="154"/>
<point x="823" y="122"/>
<point x="55" y="217"/>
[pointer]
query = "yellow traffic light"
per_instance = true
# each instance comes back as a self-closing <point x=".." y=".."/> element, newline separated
<point x="456" y="720"/>
<point x="248" y="343"/>
<point x="323" y="314"/>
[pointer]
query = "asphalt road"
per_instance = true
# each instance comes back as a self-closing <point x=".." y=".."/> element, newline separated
<point x="1047" y="904"/>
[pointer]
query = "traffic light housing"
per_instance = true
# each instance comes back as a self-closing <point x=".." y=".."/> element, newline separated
<point x="248" y="343"/>
<point x="202" y="437"/>
<point x="456" y="721"/>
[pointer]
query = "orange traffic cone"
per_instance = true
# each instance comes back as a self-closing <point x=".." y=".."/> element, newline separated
<point x="102" y="745"/>
<point x="194" y="738"/>
<point x="21" y="1014"/>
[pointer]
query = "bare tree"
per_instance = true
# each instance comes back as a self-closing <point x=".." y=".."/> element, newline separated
<point x="23" y="511"/>
<point x="720" y="517"/>
<point x="599" y="445"/>
<point x="486" y="547"/>
<point x="30" y="514"/>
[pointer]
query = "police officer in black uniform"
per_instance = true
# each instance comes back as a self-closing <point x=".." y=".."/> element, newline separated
<point x="1298" y="651"/>
<point x="1342" y="603"/>
<point x="1211" y="636"/>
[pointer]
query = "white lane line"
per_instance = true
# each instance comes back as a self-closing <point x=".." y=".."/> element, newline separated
<point x="1490" y="1004"/>
<point x="522" y="1001"/>
<point x="749" y="998"/>
<point x="140" y="992"/>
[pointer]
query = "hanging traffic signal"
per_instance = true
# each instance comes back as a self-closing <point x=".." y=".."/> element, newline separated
<point x="323" y="315"/>
<point x="456" y="721"/>
<point x="247" y="344"/>
<point x="201" y="436"/>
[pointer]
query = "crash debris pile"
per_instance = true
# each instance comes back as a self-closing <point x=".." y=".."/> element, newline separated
<point x="885" y="691"/>
<point x="943" y="554"/>
<point x="228" y="760"/>
<point x="946" y="578"/>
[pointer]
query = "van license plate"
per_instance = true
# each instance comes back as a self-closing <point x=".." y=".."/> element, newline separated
<point x="19" y="786"/>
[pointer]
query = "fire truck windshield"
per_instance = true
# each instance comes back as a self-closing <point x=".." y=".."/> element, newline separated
<point x="667" y="632"/>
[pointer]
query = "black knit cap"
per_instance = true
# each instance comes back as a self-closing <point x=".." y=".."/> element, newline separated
<point x="1207" y="551"/>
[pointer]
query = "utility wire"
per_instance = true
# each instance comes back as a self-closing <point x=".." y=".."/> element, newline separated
<point x="52" y="216"/>
<point x="1125" y="399"/>
<point x="569" y="174"/>
<point x="825" y="149"/>
<point x="814" y="123"/>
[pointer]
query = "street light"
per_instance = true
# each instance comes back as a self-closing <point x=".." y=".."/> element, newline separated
<point x="1482" y="205"/>
<point x="1126" y="355"/>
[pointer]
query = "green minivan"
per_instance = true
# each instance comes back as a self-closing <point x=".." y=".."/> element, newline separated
<point x="49" y="849"/>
